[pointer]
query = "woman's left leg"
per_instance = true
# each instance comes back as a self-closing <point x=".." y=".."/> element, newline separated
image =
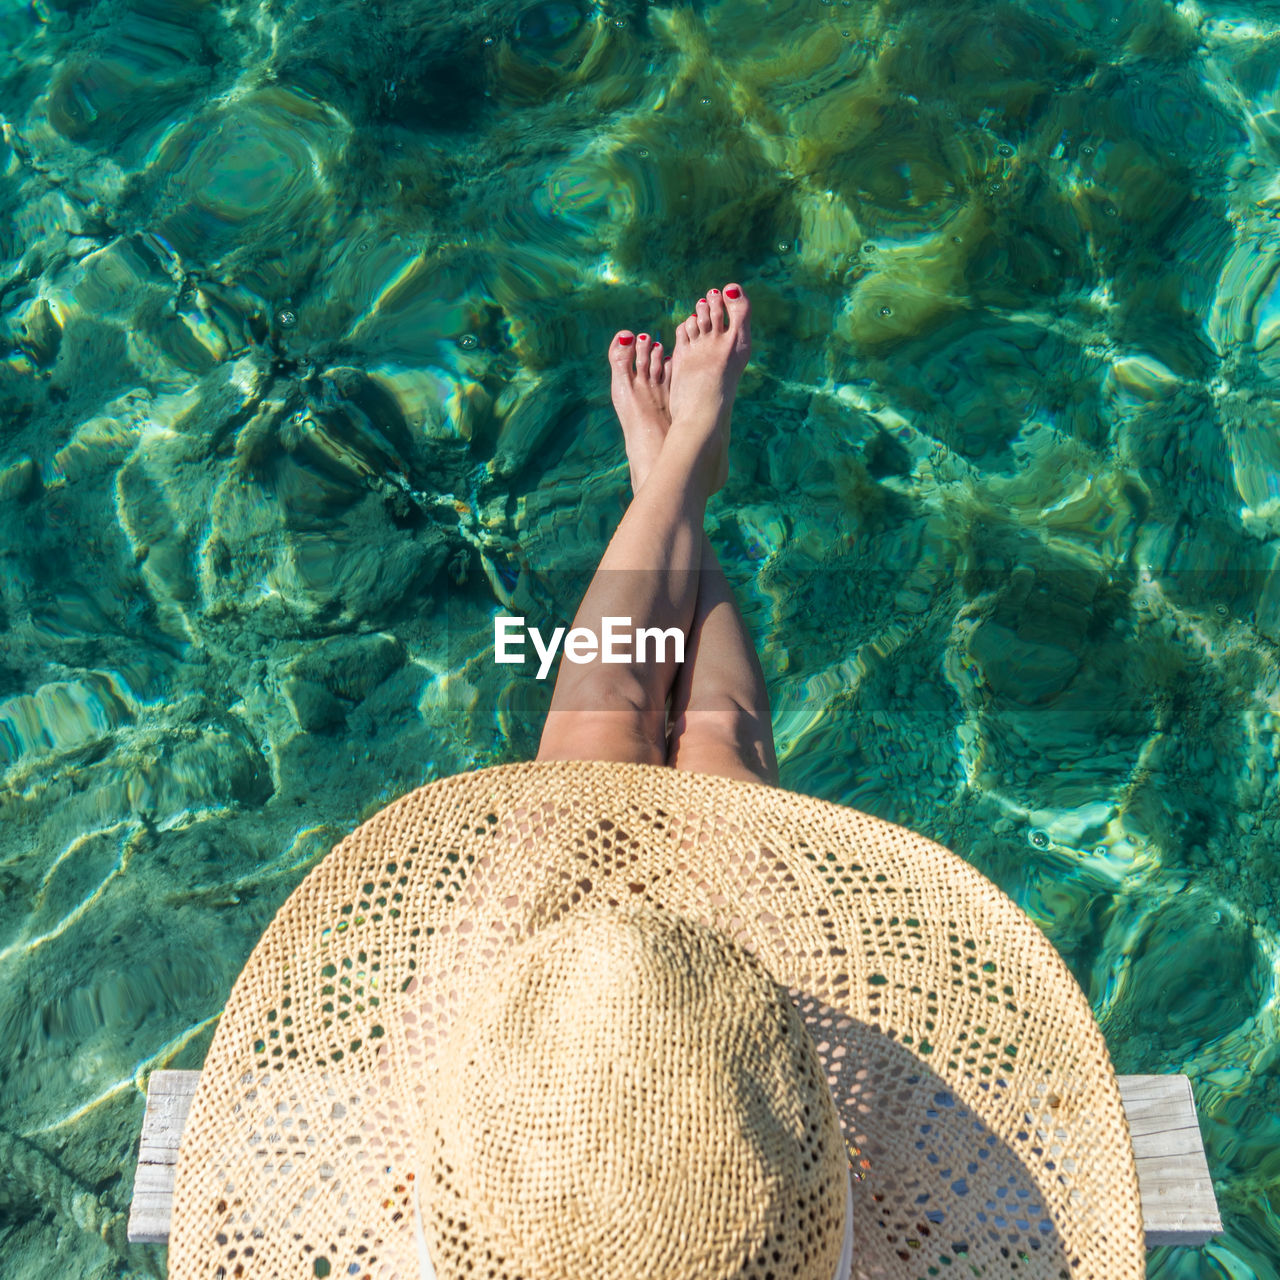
<point x="648" y="574"/>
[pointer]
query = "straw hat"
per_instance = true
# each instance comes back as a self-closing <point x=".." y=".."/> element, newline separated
<point x="587" y="1021"/>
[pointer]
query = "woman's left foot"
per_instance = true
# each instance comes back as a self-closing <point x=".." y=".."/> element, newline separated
<point x="641" y="392"/>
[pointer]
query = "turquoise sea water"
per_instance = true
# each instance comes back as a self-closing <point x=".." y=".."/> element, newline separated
<point x="305" y="312"/>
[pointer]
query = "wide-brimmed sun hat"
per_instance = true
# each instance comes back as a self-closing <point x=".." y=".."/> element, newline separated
<point x="588" y="1021"/>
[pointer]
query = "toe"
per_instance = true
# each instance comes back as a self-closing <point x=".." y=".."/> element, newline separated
<point x="715" y="304"/>
<point x="656" y="363"/>
<point x="643" y="345"/>
<point x="735" y="300"/>
<point x="622" y="351"/>
<point x="692" y="328"/>
<point x="704" y="315"/>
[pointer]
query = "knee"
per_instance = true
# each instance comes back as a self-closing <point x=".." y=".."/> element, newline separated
<point x="720" y="735"/>
<point x="621" y="732"/>
<point x="618" y="690"/>
<point x="719" y="716"/>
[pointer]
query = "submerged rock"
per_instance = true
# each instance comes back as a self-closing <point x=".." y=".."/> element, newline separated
<point x="1192" y="972"/>
<point x="314" y="707"/>
<point x="351" y="666"/>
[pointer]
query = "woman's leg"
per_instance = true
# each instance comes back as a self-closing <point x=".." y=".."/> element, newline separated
<point x="720" y="720"/>
<point x="650" y="571"/>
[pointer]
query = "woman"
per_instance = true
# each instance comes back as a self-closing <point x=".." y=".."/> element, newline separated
<point x="660" y="571"/>
<point x="581" y="1018"/>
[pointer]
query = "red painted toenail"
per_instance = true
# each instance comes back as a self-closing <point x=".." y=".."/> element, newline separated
<point x="715" y="290"/>
<point x="644" y="337"/>
<point x="733" y="293"/>
<point x="625" y="340"/>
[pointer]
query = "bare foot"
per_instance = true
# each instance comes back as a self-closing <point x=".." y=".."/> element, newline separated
<point x="641" y="389"/>
<point x="712" y="349"/>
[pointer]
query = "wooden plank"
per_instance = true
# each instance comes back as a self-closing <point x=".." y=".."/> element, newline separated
<point x="1178" y="1204"/>
<point x="169" y="1095"/>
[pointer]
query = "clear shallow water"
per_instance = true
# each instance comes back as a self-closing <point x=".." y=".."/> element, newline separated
<point x="306" y="308"/>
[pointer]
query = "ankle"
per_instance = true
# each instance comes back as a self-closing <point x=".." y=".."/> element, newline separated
<point x="690" y="460"/>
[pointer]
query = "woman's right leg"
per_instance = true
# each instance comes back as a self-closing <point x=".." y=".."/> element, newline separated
<point x="648" y="577"/>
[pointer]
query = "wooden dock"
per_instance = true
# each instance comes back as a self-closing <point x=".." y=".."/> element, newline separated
<point x="1178" y="1204"/>
<point x="169" y="1095"/>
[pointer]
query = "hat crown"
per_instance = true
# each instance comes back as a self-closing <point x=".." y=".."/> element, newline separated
<point x="632" y="1088"/>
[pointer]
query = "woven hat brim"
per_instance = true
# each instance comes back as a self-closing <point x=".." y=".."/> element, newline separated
<point x="963" y="1057"/>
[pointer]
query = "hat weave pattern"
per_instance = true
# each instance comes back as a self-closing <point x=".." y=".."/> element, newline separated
<point x="963" y="1058"/>
<point x="633" y="1094"/>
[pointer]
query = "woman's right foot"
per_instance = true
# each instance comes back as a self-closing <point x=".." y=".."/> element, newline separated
<point x="712" y="349"/>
